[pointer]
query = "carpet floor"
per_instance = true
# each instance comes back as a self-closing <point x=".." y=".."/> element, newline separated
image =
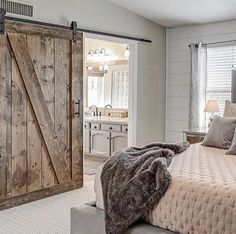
<point x="47" y="216"/>
<point x="91" y="165"/>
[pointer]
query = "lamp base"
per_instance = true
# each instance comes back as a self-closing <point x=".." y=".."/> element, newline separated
<point x="211" y="119"/>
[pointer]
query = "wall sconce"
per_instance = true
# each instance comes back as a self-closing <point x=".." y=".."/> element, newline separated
<point x="97" y="54"/>
<point x="126" y="52"/>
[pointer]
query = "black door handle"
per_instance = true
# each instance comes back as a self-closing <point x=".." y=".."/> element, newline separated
<point x="78" y="108"/>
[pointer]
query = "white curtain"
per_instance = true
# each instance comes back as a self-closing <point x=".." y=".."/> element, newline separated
<point x="197" y="117"/>
<point x="120" y="88"/>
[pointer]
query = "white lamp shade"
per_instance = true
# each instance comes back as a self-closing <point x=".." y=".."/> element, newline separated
<point x="212" y="106"/>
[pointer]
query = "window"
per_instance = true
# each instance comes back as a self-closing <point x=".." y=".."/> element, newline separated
<point x="120" y="86"/>
<point x="111" y="88"/>
<point x="220" y="62"/>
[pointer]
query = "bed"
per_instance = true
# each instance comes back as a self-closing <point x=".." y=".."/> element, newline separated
<point x="201" y="197"/>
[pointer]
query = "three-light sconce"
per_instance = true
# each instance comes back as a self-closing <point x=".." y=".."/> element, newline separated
<point x="102" y="55"/>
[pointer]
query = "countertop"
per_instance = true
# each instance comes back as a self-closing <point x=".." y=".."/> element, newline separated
<point x="106" y="119"/>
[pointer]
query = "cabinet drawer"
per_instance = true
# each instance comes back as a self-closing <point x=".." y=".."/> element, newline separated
<point x="125" y="128"/>
<point x="87" y="125"/>
<point x="95" y="126"/>
<point x="111" y="127"/>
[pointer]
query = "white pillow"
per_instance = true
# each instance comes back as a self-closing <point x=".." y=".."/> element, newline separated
<point x="230" y="109"/>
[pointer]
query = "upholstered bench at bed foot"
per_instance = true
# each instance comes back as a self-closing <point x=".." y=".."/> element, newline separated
<point x="88" y="219"/>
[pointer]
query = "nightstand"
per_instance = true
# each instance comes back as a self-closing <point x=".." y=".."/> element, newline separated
<point x="193" y="136"/>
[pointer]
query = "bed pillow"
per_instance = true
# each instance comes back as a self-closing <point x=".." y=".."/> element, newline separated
<point x="221" y="132"/>
<point x="232" y="149"/>
<point x="230" y="109"/>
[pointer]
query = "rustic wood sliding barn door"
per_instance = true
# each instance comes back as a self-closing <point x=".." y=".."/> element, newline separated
<point x="40" y="113"/>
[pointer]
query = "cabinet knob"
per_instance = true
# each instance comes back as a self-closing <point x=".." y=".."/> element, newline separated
<point x="95" y="126"/>
<point x="126" y="129"/>
<point x="110" y="128"/>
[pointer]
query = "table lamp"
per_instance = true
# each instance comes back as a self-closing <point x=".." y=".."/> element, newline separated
<point x="212" y="107"/>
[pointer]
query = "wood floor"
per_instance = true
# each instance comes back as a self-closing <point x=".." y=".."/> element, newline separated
<point x="46" y="216"/>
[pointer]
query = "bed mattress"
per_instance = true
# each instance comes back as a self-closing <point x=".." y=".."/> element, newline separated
<point x="202" y="195"/>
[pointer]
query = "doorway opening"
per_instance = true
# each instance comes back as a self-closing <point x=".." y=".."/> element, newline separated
<point x="109" y="102"/>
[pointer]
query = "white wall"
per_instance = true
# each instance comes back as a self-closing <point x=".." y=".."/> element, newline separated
<point x="106" y="16"/>
<point x="178" y="69"/>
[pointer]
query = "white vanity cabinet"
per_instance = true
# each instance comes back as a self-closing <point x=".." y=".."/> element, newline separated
<point x="100" y="143"/>
<point x="118" y="141"/>
<point x="104" y="139"/>
<point x="87" y="138"/>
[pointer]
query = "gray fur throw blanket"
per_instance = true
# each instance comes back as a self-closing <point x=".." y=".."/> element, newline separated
<point x="133" y="181"/>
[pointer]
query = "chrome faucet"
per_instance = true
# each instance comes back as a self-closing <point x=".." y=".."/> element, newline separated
<point x="96" y="110"/>
<point x="108" y="106"/>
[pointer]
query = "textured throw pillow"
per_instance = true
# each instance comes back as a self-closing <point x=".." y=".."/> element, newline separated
<point x="232" y="149"/>
<point x="230" y="109"/>
<point x="221" y="132"/>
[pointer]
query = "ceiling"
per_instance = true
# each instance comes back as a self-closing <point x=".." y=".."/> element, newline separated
<point x="172" y="13"/>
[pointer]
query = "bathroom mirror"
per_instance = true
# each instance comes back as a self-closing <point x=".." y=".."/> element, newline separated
<point x="108" y="84"/>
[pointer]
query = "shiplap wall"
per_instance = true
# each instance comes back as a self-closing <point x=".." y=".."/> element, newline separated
<point x="178" y="70"/>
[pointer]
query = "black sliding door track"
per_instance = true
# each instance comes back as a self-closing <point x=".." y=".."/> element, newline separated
<point x="73" y="28"/>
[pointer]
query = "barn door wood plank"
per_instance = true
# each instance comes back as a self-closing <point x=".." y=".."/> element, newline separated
<point x="47" y="83"/>
<point x="3" y="121"/>
<point x="61" y="74"/>
<point x="19" y="149"/>
<point x="37" y="100"/>
<point x="77" y="122"/>
<point x="34" y="147"/>
<point x="8" y="114"/>
<point x="69" y="107"/>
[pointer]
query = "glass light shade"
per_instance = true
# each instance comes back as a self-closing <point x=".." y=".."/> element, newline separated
<point x="90" y="55"/>
<point x="102" y="52"/>
<point x="212" y="106"/>
<point x="96" y="54"/>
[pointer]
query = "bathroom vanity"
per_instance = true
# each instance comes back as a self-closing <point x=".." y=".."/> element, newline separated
<point x="103" y="135"/>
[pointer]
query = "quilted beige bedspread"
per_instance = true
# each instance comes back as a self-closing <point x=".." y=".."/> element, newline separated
<point x="202" y="196"/>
